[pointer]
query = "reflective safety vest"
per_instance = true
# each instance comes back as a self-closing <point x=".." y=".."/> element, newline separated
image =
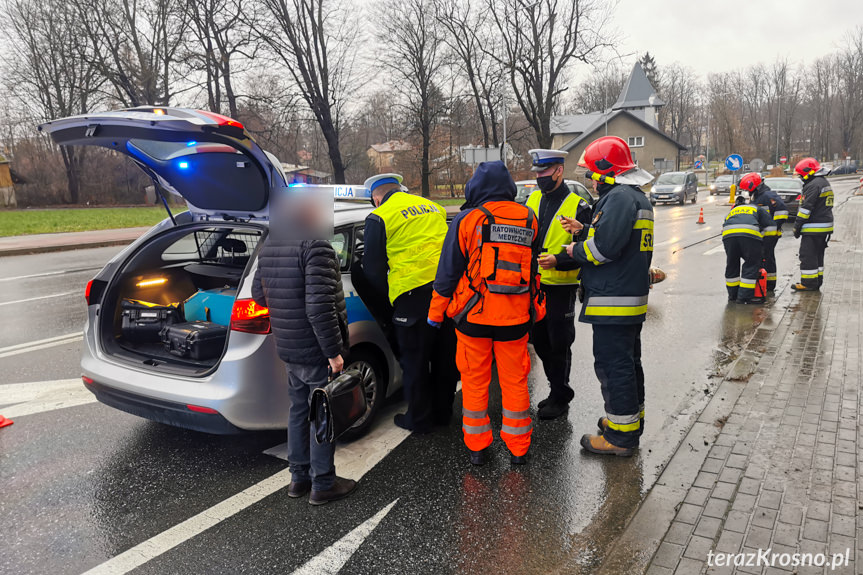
<point x="746" y="221"/>
<point x="500" y="286"/>
<point x="415" y="229"/>
<point x="556" y="237"/>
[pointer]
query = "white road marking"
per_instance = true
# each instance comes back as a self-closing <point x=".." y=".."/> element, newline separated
<point x="716" y="250"/>
<point x="47" y="274"/>
<point x="64" y="294"/>
<point x="40" y="396"/>
<point x="331" y="560"/>
<point x="39" y="344"/>
<point x="353" y="461"/>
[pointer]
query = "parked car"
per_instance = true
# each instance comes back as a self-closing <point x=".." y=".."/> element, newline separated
<point x="721" y="185"/>
<point x="526" y="187"/>
<point x="674" y="187"/>
<point x="227" y="181"/>
<point x="789" y="189"/>
<point x="844" y="169"/>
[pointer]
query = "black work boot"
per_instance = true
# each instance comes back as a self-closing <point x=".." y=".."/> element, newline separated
<point x="553" y="409"/>
<point x="518" y="459"/>
<point x="544" y="402"/>
<point x="341" y="488"/>
<point x="479" y="457"/>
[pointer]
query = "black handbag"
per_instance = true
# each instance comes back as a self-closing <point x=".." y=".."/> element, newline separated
<point x="337" y="406"/>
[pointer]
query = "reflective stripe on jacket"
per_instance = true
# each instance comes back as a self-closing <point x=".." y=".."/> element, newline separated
<point x="770" y="200"/>
<point x="747" y="221"/>
<point x="815" y="214"/>
<point x="616" y="257"/>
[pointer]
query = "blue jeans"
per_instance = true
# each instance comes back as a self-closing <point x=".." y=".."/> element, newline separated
<point x="307" y="458"/>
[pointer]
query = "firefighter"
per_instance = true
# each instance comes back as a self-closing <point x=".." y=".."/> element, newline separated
<point x="814" y="223"/>
<point x="487" y="282"/>
<point x="403" y="239"/>
<point x="615" y="266"/>
<point x="761" y="195"/>
<point x="554" y="203"/>
<point x="742" y="235"/>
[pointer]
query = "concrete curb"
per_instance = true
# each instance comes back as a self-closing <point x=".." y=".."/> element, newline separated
<point x="633" y="550"/>
<point x="23" y="251"/>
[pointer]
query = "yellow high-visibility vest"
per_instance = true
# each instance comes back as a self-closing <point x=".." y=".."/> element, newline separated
<point x="556" y="237"/>
<point x="415" y="229"/>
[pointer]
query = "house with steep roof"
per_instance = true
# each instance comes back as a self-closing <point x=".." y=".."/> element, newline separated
<point x="633" y="117"/>
<point x="383" y="157"/>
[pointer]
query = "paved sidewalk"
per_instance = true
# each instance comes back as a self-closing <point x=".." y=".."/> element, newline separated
<point x="39" y="243"/>
<point x="782" y="473"/>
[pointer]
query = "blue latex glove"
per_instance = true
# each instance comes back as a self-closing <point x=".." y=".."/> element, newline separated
<point x="434" y="324"/>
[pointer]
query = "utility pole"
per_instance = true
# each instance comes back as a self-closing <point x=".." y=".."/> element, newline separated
<point x="503" y="113"/>
<point x="778" y="112"/>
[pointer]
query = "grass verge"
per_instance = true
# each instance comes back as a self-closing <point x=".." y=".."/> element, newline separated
<point x="26" y="222"/>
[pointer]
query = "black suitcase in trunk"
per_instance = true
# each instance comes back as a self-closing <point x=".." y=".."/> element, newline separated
<point x="143" y="322"/>
<point x="196" y="340"/>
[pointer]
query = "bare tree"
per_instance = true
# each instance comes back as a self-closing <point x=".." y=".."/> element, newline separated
<point x="468" y="38"/>
<point x="314" y="39"/>
<point x="134" y="45"/>
<point x="849" y="96"/>
<point x="413" y="54"/>
<point x="223" y="31"/>
<point x="540" y="41"/>
<point x="678" y="87"/>
<point x="45" y="71"/>
<point x="600" y="92"/>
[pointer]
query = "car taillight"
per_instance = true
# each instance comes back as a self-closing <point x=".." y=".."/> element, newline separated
<point x="87" y="380"/>
<point x="799" y="197"/>
<point x="249" y="317"/>
<point x="87" y="291"/>
<point x="94" y="290"/>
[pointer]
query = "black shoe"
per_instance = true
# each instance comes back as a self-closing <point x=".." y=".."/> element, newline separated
<point x="299" y="488"/>
<point x="553" y="410"/>
<point x="402" y="420"/>
<point x="518" y="459"/>
<point x="544" y="402"/>
<point x="341" y="488"/>
<point x="479" y="457"/>
<point x="752" y="301"/>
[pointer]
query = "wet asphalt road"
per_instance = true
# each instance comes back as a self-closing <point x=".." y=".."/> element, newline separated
<point x="83" y="484"/>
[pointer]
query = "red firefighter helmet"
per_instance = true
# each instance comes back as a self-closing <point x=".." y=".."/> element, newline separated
<point x="750" y="181"/>
<point x="608" y="155"/>
<point x="807" y="167"/>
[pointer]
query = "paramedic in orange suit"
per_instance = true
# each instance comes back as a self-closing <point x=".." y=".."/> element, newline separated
<point x="487" y="282"/>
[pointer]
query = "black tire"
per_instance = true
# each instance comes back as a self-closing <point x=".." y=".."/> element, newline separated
<point x="375" y="384"/>
<point x="683" y="198"/>
<point x="694" y="197"/>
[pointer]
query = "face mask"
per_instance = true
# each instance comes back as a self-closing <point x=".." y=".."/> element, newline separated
<point x="546" y="183"/>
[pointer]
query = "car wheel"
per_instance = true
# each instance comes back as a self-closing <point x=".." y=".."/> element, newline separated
<point x="694" y="197"/>
<point x="374" y="385"/>
<point x="652" y="203"/>
<point x="682" y="198"/>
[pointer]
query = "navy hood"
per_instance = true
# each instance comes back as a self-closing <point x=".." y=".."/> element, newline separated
<point x="491" y="182"/>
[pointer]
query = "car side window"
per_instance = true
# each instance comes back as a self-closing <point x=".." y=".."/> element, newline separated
<point x="341" y="243"/>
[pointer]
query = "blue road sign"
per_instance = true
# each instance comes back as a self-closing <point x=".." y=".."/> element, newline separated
<point x="734" y="162"/>
<point x="699" y="164"/>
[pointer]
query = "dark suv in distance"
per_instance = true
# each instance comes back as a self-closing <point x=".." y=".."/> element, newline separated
<point x="674" y="187"/>
<point x="721" y="185"/>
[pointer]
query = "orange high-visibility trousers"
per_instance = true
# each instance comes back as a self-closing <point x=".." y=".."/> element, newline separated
<point x="474" y="357"/>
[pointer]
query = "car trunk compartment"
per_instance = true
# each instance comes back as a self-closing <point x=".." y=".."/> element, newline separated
<point x="195" y="270"/>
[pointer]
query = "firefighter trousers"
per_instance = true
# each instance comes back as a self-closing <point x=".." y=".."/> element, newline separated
<point x="474" y="357"/>
<point x="617" y="362"/>
<point x="552" y="339"/>
<point x="812" y="259"/>
<point x="741" y="283"/>
<point x="768" y="256"/>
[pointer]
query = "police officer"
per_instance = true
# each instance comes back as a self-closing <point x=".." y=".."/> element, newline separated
<point x="554" y="203"/>
<point x="615" y="262"/>
<point x="761" y="195"/>
<point x="814" y="223"/>
<point x="487" y="282"/>
<point x="403" y="239"/>
<point x="742" y="235"/>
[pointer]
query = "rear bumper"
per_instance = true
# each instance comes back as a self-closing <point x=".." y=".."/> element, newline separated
<point x="161" y="411"/>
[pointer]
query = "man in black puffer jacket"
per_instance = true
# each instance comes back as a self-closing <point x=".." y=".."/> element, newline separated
<point x="299" y="281"/>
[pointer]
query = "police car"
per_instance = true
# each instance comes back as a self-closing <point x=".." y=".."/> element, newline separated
<point x="210" y="251"/>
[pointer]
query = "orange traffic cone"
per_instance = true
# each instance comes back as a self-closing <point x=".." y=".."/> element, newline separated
<point x="700" y="216"/>
<point x="5" y="422"/>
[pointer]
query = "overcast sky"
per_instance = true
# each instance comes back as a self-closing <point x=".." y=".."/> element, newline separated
<point x="718" y="36"/>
